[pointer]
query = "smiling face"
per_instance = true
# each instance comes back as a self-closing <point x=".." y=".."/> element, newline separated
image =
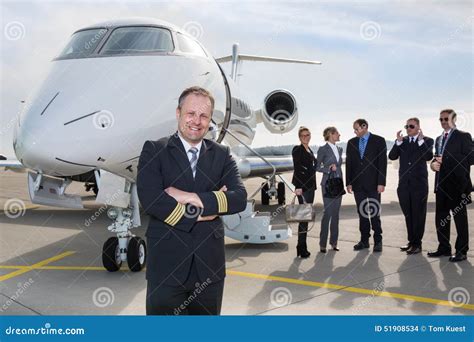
<point x="194" y="118"/>
<point x="305" y="137"/>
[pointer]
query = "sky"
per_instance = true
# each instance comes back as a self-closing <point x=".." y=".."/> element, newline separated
<point x="384" y="61"/>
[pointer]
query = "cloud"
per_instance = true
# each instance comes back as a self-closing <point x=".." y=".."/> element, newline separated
<point x="421" y="59"/>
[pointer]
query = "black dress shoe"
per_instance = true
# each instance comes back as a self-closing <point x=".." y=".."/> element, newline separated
<point x="437" y="254"/>
<point x="323" y="250"/>
<point x="405" y="248"/>
<point x="414" y="250"/>
<point x="378" y="247"/>
<point x="334" y="248"/>
<point x="457" y="257"/>
<point x="301" y="251"/>
<point x="361" y="245"/>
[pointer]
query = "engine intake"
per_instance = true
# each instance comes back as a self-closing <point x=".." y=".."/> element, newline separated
<point x="279" y="113"/>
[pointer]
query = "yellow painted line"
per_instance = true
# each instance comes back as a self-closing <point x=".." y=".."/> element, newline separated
<point x="34" y="266"/>
<point x="42" y="266"/>
<point x="61" y="268"/>
<point x="27" y="207"/>
<point x="352" y="289"/>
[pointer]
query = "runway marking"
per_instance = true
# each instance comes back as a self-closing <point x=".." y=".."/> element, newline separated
<point x="42" y="266"/>
<point x="353" y="289"/>
<point x="24" y="269"/>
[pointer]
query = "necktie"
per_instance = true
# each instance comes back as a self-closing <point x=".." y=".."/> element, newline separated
<point x="194" y="158"/>
<point x="443" y="142"/>
<point x="412" y="140"/>
<point x="362" y="144"/>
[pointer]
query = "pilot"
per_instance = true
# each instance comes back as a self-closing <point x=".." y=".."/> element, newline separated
<point x="185" y="183"/>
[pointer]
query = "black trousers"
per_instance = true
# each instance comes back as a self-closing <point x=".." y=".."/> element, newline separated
<point x="444" y="206"/>
<point x="413" y="204"/>
<point x="368" y="208"/>
<point x="194" y="297"/>
<point x="303" y="226"/>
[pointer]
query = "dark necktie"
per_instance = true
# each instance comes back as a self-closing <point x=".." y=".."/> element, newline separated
<point x="194" y="158"/>
<point x="443" y="142"/>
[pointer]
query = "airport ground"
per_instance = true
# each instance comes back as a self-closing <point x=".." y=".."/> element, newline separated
<point x="50" y="264"/>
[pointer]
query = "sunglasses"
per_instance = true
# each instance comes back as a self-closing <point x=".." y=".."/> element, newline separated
<point x="409" y="126"/>
<point x="444" y="119"/>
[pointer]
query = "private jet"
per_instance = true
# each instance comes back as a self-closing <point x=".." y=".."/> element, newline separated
<point x="116" y="85"/>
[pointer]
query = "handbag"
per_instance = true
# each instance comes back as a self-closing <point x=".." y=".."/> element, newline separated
<point x="299" y="212"/>
<point x="334" y="186"/>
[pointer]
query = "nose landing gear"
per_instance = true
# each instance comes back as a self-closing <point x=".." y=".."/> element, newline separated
<point x="125" y="246"/>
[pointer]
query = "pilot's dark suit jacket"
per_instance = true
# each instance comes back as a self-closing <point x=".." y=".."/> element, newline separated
<point x="174" y="235"/>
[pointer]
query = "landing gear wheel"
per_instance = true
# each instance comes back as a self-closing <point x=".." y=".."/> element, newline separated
<point x="264" y="193"/>
<point x="281" y="193"/>
<point x="111" y="255"/>
<point x="136" y="254"/>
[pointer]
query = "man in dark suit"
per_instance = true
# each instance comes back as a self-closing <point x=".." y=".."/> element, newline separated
<point x="184" y="183"/>
<point x="454" y="153"/>
<point x="366" y="170"/>
<point x="414" y="151"/>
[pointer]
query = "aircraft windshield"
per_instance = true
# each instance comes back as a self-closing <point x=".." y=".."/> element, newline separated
<point x="83" y="43"/>
<point x="137" y="40"/>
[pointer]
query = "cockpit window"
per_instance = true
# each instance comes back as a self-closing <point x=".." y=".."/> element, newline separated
<point x="137" y="40"/>
<point x="188" y="45"/>
<point x="83" y="43"/>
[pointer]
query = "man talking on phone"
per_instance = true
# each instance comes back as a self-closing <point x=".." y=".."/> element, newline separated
<point x="414" y="151"/>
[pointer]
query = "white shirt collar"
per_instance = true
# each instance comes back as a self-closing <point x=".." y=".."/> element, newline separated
<point x="334" y="150"/>
<point x="416" y="137"/>
<point x="187" y="145"/>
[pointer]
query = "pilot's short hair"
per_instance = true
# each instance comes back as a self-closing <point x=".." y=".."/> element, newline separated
<point x="328" y="131"/>
<point x="361" y="123"/>
<point x="196" y="91"/>
<point x="449" y="112"/>
<point x="414" y="119"/>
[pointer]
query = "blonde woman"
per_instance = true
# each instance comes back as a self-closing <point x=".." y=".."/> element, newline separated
<point x="329" y="164"/>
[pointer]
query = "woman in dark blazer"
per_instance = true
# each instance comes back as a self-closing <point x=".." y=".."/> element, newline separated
<point x="304" y="180"/>
<point x="329" y="162"/>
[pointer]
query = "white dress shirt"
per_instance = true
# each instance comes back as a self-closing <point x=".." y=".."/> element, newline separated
<point x="187" y="146"/>
<point x="334" y="150"/>
<point x="420" y="142"/>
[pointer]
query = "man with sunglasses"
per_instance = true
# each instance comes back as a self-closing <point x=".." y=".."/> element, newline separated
<point x="414" y="151"/>
<point x="452" y="186"/>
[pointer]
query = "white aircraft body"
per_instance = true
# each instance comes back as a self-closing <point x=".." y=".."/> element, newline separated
<point x="114" y="86"/>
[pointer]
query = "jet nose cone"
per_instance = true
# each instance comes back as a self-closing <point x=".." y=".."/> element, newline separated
<point x="30" y="148"/>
